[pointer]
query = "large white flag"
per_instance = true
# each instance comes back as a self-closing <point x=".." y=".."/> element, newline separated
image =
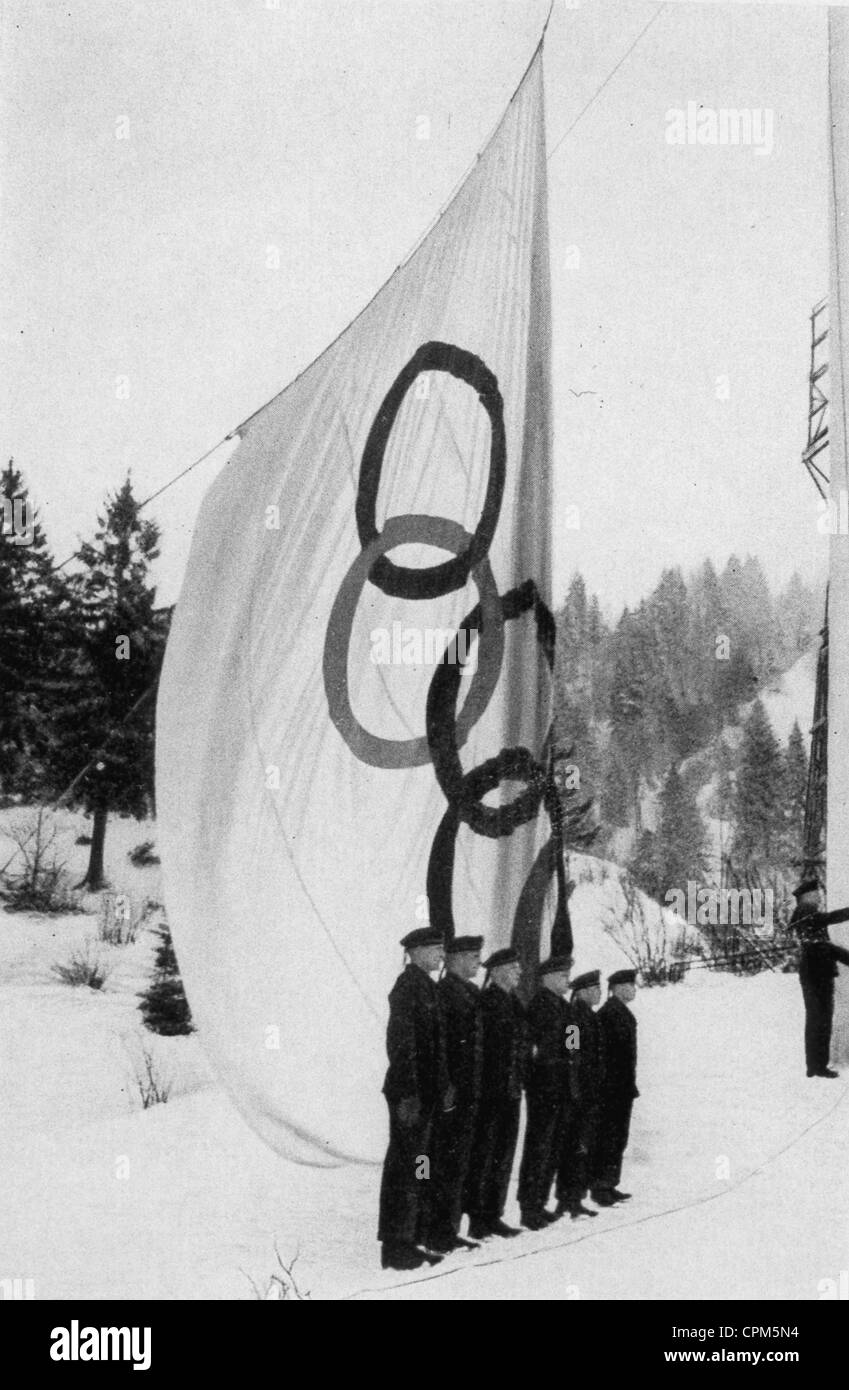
<point x="338" y="759"/>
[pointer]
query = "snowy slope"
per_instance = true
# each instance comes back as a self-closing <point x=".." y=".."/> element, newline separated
<point x="792" y="697"/>
<point x="102" y="1199"/>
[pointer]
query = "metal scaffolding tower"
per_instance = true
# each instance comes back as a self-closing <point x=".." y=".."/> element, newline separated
<point x="817" y="399"/>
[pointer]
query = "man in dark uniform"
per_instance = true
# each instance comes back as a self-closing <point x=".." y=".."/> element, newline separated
<point x="581" y="1115"/>
<point x="454" y="1129"/>
<point x="619" y="1089"/>
<point x="416" y="1086"/>
<point x="548" y="1085"/>
<point x="817" y="971"/>
<point x="502" y="1079"/>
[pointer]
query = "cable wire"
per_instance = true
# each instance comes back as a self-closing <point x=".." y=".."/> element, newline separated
<point x="598" y="91"/>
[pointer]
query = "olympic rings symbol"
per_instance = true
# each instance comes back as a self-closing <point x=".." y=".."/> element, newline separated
<point x="446" y="730"/>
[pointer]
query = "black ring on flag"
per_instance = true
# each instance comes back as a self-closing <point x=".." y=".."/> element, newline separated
<point x="465" y="790"/>
<point x="399" y="581"/>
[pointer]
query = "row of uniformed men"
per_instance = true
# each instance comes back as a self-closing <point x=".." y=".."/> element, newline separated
<point x="460" y="1058"/>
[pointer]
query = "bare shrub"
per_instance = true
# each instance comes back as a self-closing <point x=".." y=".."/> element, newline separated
<point x="83" y="967"/>
<point x="658" y="954"/>
<point x="152" y="1087"/>
<point x="281" y="1283"/>
<point x="40" y="884"/>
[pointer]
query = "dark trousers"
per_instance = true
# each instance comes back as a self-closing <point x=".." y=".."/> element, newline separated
<point x="613" y="1127"/>
<point x="819" y="1010"/>
<point x="491" y="1163"/>
<point x="578" y="1146"/>
<point x="451" y="1149"/>
<point x="541" y="1153"/>
<point x="404" y="1188"/>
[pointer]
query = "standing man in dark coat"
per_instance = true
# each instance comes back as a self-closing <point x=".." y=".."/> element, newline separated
<point x="502" y="1080"/>
<point x="454" y="1129"/>
<point x="817" y="971"/>
<point x="548" y="1086"/>
<point x="416" y="1086"/>
<point x="582" y="1111"/>
<point x="619" y="1091"/>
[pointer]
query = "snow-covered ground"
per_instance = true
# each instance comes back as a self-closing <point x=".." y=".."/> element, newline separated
<point x="737" y="1161"/>
<point x="792" y="697"/>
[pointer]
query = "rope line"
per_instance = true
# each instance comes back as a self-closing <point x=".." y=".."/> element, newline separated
<point x="597" y="93"/>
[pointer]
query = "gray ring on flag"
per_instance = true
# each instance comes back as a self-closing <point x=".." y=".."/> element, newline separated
<point x="413" y="752"/>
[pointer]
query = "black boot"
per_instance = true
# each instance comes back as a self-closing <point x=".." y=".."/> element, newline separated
<point x="500" y="1228"/>
<point x="577" y="1209"/>
<point x="619" y="1196"/>
<point x="479" y="1228"/>
<point x="534" y="1220"/>
<point x="603" y="1197"/>
<point x="396" y="1256"/>
<point x="430" y="1257"/>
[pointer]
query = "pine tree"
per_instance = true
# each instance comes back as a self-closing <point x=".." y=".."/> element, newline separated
<point x="575" y="807"/>
<point x="668" y="616"/>
<point x="572" y="652"/>
<point x="115" y="640"/>
<point x="759" y="840"/>
<point x="795" y="794"/>
<point x="616" y="795"/>
<point x="580" y="633"/>
<point x="633" y="744"/>
<point x="574" y="617"/>
<point x="164" y="1006"/>
<point x="752" y="621"/>
<point x="680" y="849"/>
<point x="799" y="611"/>
<point x="643" y="865"/>
<point x="710" y="644"/>
<point x="29" y="595"/>
<point x="598" y="642"/>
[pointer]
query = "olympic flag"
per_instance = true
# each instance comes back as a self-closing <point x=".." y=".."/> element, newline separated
<point x="353" y="730"/>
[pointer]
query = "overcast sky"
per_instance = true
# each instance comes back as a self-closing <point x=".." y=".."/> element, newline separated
<point x="155" y="151"/>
